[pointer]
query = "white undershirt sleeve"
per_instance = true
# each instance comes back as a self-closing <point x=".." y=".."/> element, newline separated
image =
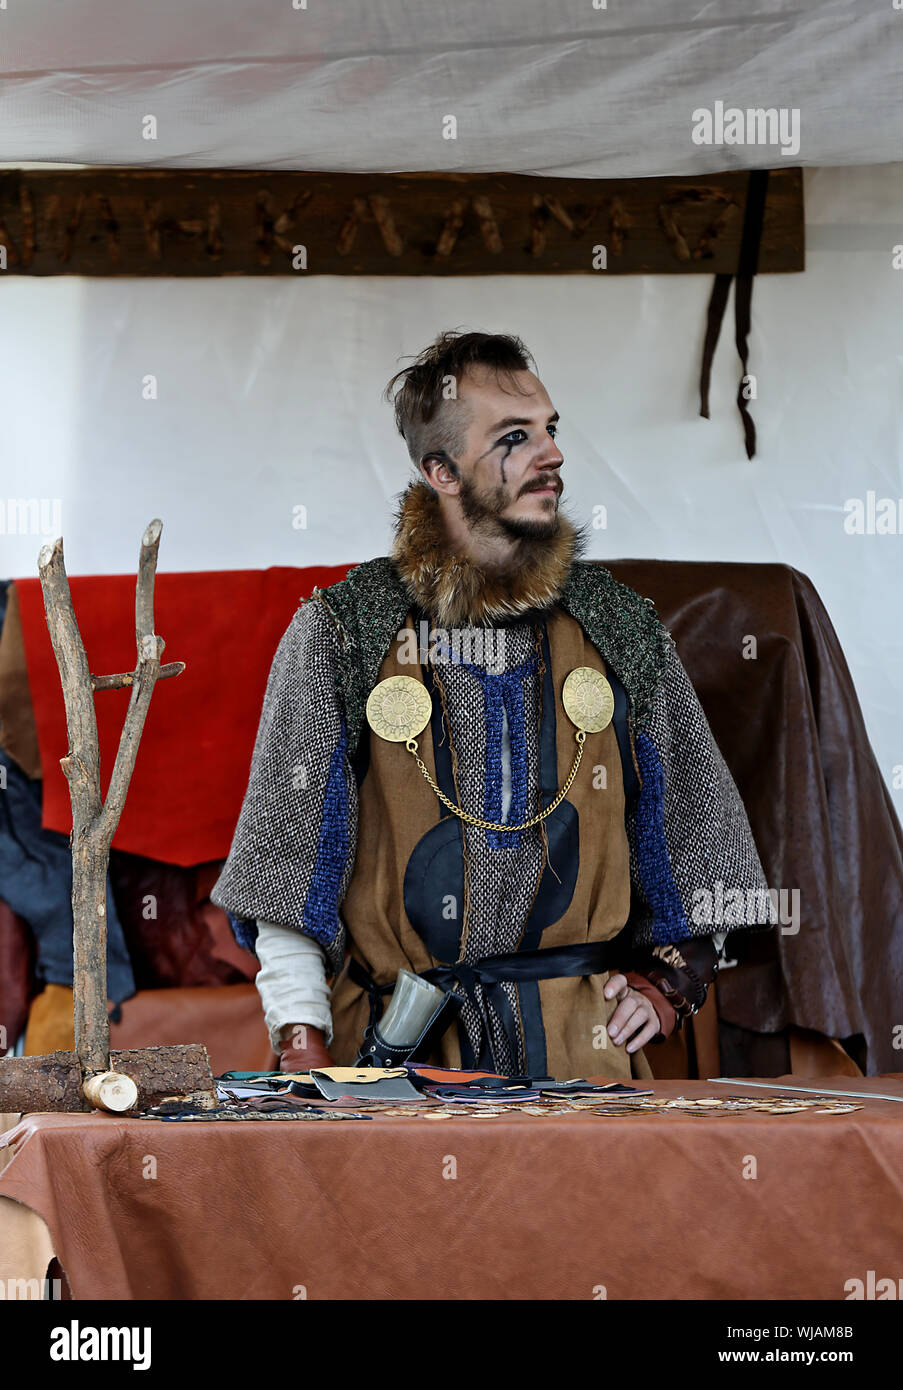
<point x="291" y="980"/>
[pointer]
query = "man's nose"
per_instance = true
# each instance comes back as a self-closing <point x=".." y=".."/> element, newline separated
<point x="549" y="456"/>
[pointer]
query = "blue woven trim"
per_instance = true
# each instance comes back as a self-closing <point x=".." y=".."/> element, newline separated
<point x="669" y="922"/>
<point x="492" y="786"/>
<point x="321" y="907"/>
<point x="504" y="691"/>
<point x="244" y="929"/>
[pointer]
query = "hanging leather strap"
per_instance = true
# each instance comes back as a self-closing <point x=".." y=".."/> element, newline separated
<point x="747" y="267"/>
<point x="717" y="306"/>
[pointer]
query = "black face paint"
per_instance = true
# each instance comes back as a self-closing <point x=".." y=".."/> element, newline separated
<point x="486" y="514"/>
<point x="505" y="457"/>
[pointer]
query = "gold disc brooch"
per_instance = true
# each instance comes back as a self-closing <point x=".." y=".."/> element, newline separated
<point x="588" y="699"/>
<point x="400" y="707"/>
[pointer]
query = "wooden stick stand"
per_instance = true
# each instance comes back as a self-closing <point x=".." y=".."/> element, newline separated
<point x="91" y="1077"/>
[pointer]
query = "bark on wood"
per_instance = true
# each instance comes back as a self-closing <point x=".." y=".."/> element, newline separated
<point x="94" y="820"/>
<point x="123" y="679"/>
<point x="33" y="1085"/>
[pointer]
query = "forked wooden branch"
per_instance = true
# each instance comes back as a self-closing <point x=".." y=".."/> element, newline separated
<point x="94" y="820"/>
<point x="126" y="678"/>
<point x="92" y="1076"/>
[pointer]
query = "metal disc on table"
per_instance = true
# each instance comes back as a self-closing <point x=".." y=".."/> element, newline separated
<point x="399" y="708"/>
<point x="588" y="699"/>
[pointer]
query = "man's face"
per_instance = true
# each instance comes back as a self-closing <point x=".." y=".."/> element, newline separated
<point x="509" y="466"/>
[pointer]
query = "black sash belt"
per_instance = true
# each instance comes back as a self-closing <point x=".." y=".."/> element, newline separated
<point x="490" y="972"/>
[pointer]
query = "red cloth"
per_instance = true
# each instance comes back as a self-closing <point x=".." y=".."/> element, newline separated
<point x="192" y="768"/>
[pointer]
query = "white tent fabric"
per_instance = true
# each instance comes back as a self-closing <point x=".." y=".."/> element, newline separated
<point x="265" y="440"/>
<point x="583" y="88"/>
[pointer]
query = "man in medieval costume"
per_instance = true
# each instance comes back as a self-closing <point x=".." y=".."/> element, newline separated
<point x="481" y="760"/>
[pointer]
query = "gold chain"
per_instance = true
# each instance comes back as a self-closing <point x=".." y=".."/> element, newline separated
<point x="580" y="736"/>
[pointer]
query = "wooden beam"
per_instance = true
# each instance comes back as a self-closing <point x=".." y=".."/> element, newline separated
<point x="152" y="222"/>
<point x="53" y="1082"/>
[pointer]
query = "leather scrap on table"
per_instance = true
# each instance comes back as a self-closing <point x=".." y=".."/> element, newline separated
<point x="257" y="1109"/>
<point x="421" y="1073"/>
<point x="479" y="1094"/>
<point x="390" y="1085"/>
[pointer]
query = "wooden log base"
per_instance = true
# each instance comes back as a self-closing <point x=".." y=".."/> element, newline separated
<point x="53" y="1083"/>
<point x="110" y="1090"/>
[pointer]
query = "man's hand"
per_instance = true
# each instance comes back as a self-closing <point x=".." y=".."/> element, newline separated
<point x="634" y="1018"/>
<point x="302" y="1047"/>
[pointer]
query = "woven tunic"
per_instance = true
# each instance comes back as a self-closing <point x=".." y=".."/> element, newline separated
<point x="428" y="890"/>
<point x="482" y="700"/>
<point x="345" y="841"/>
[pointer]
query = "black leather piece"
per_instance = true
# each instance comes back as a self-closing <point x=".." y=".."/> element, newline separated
<point x="583" y="958"/>
<point x="433" y="876"/>
<point x="702" y="961"/>
<point x="362" y="977"/>
<point x="535" y="1053"/>
<point x="555" y="962"/>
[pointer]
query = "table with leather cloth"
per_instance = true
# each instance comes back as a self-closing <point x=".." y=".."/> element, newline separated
<point x="364" y="1209"/>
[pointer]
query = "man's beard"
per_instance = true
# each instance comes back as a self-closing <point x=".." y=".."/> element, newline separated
<point x="485" y="515"/>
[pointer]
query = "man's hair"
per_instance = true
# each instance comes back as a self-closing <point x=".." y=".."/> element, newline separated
<point x="429" y="418"/>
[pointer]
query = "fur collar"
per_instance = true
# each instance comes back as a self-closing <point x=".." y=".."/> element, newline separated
<point x="454" y="590"/>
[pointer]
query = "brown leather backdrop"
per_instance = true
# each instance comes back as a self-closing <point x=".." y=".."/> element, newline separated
<point x="647" y="1207"/>
<point x="791" y="729"/>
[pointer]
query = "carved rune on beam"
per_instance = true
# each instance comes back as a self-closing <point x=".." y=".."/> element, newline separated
<point x="216" y="222"/>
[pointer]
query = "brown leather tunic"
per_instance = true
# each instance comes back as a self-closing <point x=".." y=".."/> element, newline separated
<point x="397" y="808"/>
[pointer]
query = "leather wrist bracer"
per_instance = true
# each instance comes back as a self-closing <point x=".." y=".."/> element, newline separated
<point x="683" y="971"/>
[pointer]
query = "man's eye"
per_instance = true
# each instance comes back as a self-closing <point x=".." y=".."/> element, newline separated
<point x="515" y="437"/>
<point x="552" y="429"/>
